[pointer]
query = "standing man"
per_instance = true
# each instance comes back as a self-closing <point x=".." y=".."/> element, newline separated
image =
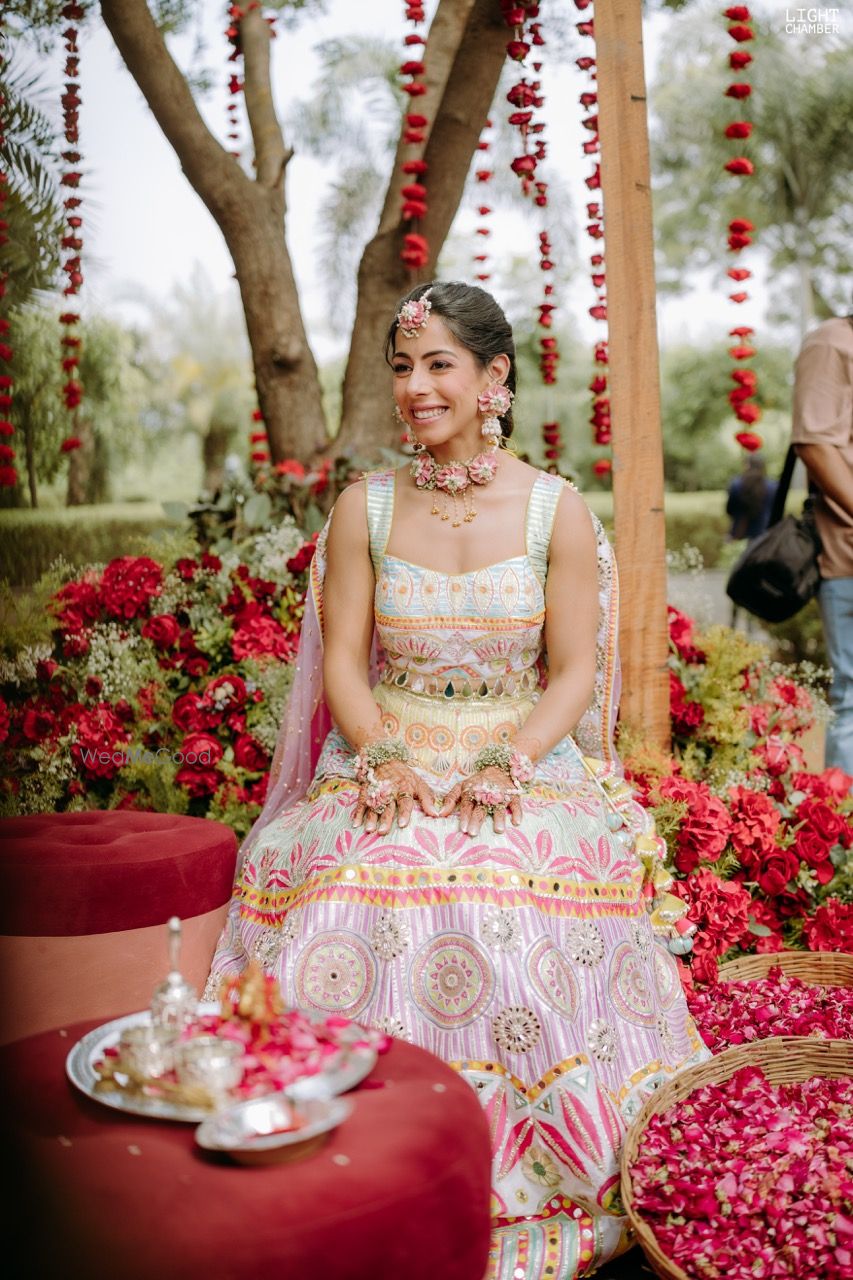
<point x="823" y="437"/>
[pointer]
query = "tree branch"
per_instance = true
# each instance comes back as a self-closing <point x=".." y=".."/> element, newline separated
<point x="271" y="155"/>
<point x="220" y="182"/>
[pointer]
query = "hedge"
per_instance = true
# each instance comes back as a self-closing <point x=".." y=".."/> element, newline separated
<point x="30" y="541"/>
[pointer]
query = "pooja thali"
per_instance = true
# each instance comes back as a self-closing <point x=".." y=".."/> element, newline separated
<point x="341" y="1071"/>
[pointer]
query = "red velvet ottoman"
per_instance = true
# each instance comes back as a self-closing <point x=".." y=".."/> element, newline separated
<point x="399" y="1192"/>
<point x="84" y="898"/>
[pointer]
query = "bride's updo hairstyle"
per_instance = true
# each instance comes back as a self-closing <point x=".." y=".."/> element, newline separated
<point x="476" y="322"/>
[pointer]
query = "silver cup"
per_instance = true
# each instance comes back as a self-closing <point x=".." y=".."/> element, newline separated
<point x="148" y="1051"/>
<point x="212" y="1063"/>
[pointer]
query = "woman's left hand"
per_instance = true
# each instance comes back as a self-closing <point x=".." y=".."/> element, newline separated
<point x="489" y="791"/>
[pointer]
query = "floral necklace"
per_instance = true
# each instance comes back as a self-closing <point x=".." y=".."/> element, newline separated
<point x="456" y="479"/>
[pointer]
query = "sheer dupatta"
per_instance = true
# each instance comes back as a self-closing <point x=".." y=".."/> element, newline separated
<point x="307" y="721"/>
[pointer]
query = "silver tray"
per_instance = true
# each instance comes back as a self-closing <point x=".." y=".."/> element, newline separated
<point x="345" y="1070"/>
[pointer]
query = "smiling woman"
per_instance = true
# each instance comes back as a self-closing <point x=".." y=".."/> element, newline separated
<point x="464" y="866"/>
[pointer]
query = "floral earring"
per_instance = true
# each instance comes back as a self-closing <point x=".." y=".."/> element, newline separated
<point x="493" y="403"/>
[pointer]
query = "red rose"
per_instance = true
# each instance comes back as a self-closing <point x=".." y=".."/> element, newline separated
<point x="302" y="559"/>
<point x="162" y="630"/>
<point x="201" y="750"/>
<point x="686" y="716"/>
<point x="100" y="735"/>
<point x="128" y="585"/>
<point x="681" y="636"/>
<point x="37" y="723"/>
<point x="190" y="713"/>
<point x="226" y="692"/>
<point x="249" y="754"/>
<point x="4" y="720"/>
<point x="774" y="871"/>
<point x="831" y="927"/>
<point x="821" y="819"/>
<point x="198" y="782"/>
<point x="79" y="603"/>
<point x="186" y="569"/>
<point x="93" y="686"/>
<point x="196" y="665"/>
<point x="257" y="636"/>
<point x="814" y="851"/>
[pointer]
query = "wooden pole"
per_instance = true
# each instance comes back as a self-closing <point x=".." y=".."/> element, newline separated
<point x="633" y="381"/>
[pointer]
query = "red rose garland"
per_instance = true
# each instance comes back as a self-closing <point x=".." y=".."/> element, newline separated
<point x="600" y="405"/>
<point x="742" y="395"/>
<point x="8" y="472"/>
<point x="415" y="250"/>
<point x="72" y="241"/>
<point x="235" y="85"/>
<point x="258" y="441"/>
<point x="481" y="258"/>
<point x="526" y="98"/>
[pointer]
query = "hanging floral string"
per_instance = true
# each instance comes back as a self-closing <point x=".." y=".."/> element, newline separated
<point x="742" y="395"/>
<point x="72" y="240"/>
<point x="600" y="403"/>
<point x="235" y="16"/>
<point x="481" y="258"/>
<point x="8" y="472"/>
<point x="258" y="442"/>
<point x="526" y="98"/>
<point x="415" y="250"/>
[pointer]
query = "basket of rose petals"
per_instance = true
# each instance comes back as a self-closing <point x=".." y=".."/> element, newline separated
<point x="823" y="968"/>
<point x="742" y="1167"/>
<point x="777" y="998"/>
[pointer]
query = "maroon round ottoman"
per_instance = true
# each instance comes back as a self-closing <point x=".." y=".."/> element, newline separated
<point x="84" y="898"/>
<point x="399" y="1192"/>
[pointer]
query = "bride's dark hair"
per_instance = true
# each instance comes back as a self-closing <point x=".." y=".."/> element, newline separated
<point x="476" y="322"/>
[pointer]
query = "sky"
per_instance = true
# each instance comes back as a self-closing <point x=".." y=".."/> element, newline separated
<point x="146" y="229"/>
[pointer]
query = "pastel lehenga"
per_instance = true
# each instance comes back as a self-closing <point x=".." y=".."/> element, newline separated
<point x="527" y="960"/>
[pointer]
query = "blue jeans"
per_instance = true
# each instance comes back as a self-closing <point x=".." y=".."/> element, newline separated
<point x="836" y="606"/>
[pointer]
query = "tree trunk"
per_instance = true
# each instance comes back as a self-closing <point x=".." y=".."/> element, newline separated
<point x="80" y="465"/>
<point x="464" y="57"/>
<point x="250" y="215"/>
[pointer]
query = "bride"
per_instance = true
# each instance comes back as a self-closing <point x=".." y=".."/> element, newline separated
<point x="448" y="850"/>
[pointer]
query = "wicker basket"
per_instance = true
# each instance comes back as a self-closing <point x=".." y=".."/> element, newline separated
<point x="783" y="1059"/>
<point x="822" y="968"/>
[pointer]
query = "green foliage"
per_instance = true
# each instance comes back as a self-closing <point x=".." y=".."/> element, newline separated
<point x="32" y="541"/>
<point x="114" y="386"/>
<point x="802" y="148"/>
<point x="698" y="425"/>
<point x="29" y="158"/>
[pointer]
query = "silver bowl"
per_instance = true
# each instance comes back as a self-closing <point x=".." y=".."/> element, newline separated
<point x="271" y="1128"/>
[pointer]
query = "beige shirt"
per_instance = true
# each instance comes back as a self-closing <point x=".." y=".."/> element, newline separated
<point x="823" y="414"/>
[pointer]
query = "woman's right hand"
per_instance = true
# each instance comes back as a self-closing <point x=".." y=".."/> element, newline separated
<point x="393" y="794"/>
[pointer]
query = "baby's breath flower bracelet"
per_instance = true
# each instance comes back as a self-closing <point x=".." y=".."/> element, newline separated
<point x="501" y="756"/>
<point x="373" y="754"/>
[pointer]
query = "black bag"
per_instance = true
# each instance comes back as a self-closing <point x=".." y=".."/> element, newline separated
<point x="777" y="573"/>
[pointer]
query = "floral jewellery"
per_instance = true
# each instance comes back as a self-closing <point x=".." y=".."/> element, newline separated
<point x="454" y="478"/>
<point x="414" y="315"/>
<point x="373" y="754"/>
<point x="494" y="402"/>
<point x="500" y="756"/>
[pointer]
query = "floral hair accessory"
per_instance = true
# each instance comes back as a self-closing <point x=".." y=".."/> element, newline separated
<point x="414" y="315"/>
